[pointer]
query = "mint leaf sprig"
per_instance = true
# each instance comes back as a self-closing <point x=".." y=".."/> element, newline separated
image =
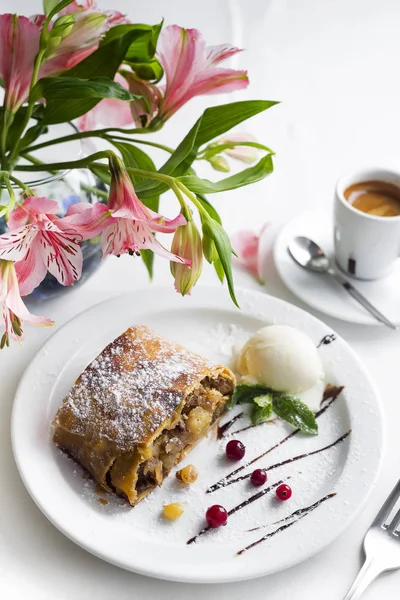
<point x="265" y="401"/>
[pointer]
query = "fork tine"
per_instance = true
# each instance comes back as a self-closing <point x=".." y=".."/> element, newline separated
<point x="388" y="506"/>
<point x="394" y="522"/>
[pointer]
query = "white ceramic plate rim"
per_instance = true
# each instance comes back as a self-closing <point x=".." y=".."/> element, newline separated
<point x="259" y="306"/>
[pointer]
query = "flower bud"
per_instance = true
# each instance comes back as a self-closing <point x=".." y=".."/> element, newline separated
<point x="247" y="154"/>
<point x="62" y="26"/>
<point x="219" y="163"/>
<point x="93" y="21"/>
<point x="187" y="244"/>
<point x="209" y="249"/>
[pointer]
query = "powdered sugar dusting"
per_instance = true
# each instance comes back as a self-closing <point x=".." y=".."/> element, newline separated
<point x="131" y="388"/>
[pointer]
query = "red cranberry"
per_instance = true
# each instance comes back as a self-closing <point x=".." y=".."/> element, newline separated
<point x="284" y="491"/>
<point x="216" y="516"/>
<point x="235" y="450"/>
<point x="258" y="477"/>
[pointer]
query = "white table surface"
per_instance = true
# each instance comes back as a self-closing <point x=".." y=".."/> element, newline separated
<point x="335" y="66"/>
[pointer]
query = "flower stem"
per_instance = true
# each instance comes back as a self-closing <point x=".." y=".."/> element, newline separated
<point x="26" y="189"/>
<point x="120" y="138"/>
<point x="6" y="122"/>
<point x="83" y="134"/>
<point x="73" y="164"/>
<point x="94" y="190"/>
<point x="185" y="210"/>
<point x="85" y="188"/>
<point x="31" y="104"/>
<point x="192" y="197"/>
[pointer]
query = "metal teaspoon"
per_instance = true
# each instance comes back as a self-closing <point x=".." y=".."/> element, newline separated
<point x="311" y="257"/>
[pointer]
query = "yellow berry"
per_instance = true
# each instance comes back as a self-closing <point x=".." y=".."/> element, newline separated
<point x="187" y="474"/>
<point x="173" y="511"/>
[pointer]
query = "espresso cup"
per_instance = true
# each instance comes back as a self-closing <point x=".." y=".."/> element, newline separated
<point x="366" y="246"/>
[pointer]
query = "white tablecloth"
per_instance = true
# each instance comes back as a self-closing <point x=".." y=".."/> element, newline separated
<point x="335" y="67"/>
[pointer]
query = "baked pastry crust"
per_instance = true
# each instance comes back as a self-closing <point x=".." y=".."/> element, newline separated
<point x="138" y="409"/>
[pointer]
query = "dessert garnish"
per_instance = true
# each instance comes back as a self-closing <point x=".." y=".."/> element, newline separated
<point x="188" y="474"/>
<point x="240" y="506"/>
<point x="283" y="492"/>
<point x="225" y="482"/>
<point x="327" y="339"/>
<point x="331" y="393"/>
<point x="259" y="477"/>
<point x="235" y="450"/>
<point x="266" y="401"/>
<point x="216" y="516"/>
<point x="302" y="513"/>
<point x="223" y="428"/>
<point x="296" y="513"/>
<point x="283" y="359"/>
<point x="173" y="511"/>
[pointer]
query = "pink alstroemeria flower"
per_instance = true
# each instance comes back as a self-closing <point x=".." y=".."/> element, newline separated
<point x="13" y="309"/>
<point x="90" y="25"/>
<point x="127" y="225"/>
<point x="19" y="45"/>
<point x="38" y="241"/>
<point x="192" y="69"/>
<point x="246" y="244"/>
<point x="133" y="224"/>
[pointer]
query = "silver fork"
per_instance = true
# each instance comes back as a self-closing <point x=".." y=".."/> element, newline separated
<point x="381" y="545"/>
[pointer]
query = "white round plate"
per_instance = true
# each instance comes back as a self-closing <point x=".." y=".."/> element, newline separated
<point x="139" y="539"/>
<point x="321" y="291"/>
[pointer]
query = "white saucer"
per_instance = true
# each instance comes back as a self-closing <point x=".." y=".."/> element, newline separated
<point x="321" y="291"/>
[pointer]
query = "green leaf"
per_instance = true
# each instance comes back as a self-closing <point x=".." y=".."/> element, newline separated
<point x="223" y="245"/>
<point x="245" y="392"/>
<point x="102" y="172"/>
<point x="54" y="6"/>
<point x="253" y="174"/>
<point x="68" y="97"/>
<point x="104" y="62"/>
<point x="150" y="71"/>
<point x="135" y="158"/>
<point x="148" y="259"/>
<point x="295" y="412"/>
<point x="262" y="409"/>
<point x="214" y="122"/>
<point x="141" y="53"/>
<point x="219" y="270"/>
<point x="16" y="128"/>
<point x="107" y="59"/>
<point x="209" y="208"/>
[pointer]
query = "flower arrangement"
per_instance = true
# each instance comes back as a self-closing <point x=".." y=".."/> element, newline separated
<point x="78" y="63"/>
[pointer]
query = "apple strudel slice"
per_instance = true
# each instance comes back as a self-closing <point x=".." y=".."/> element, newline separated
<point x="138" y="409"/>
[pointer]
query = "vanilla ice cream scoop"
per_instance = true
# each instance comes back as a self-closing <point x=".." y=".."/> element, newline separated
<point x="282" y="358"/>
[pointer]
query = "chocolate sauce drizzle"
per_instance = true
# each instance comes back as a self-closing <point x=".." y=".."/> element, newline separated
<point x="296" y="513"/>
<point x="327" y="339"/>
<point x="222" y="428"/>
<point x="239" y="507"/>
<point x="270" y="422"/>
<point x="289" y="460"/>
<point x="303" y="512"/>
<point x="331" y="393"/>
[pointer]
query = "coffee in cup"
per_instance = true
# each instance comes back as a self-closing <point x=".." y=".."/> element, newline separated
<point x="367" y="223"/>
<point x="379" y="198"/>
